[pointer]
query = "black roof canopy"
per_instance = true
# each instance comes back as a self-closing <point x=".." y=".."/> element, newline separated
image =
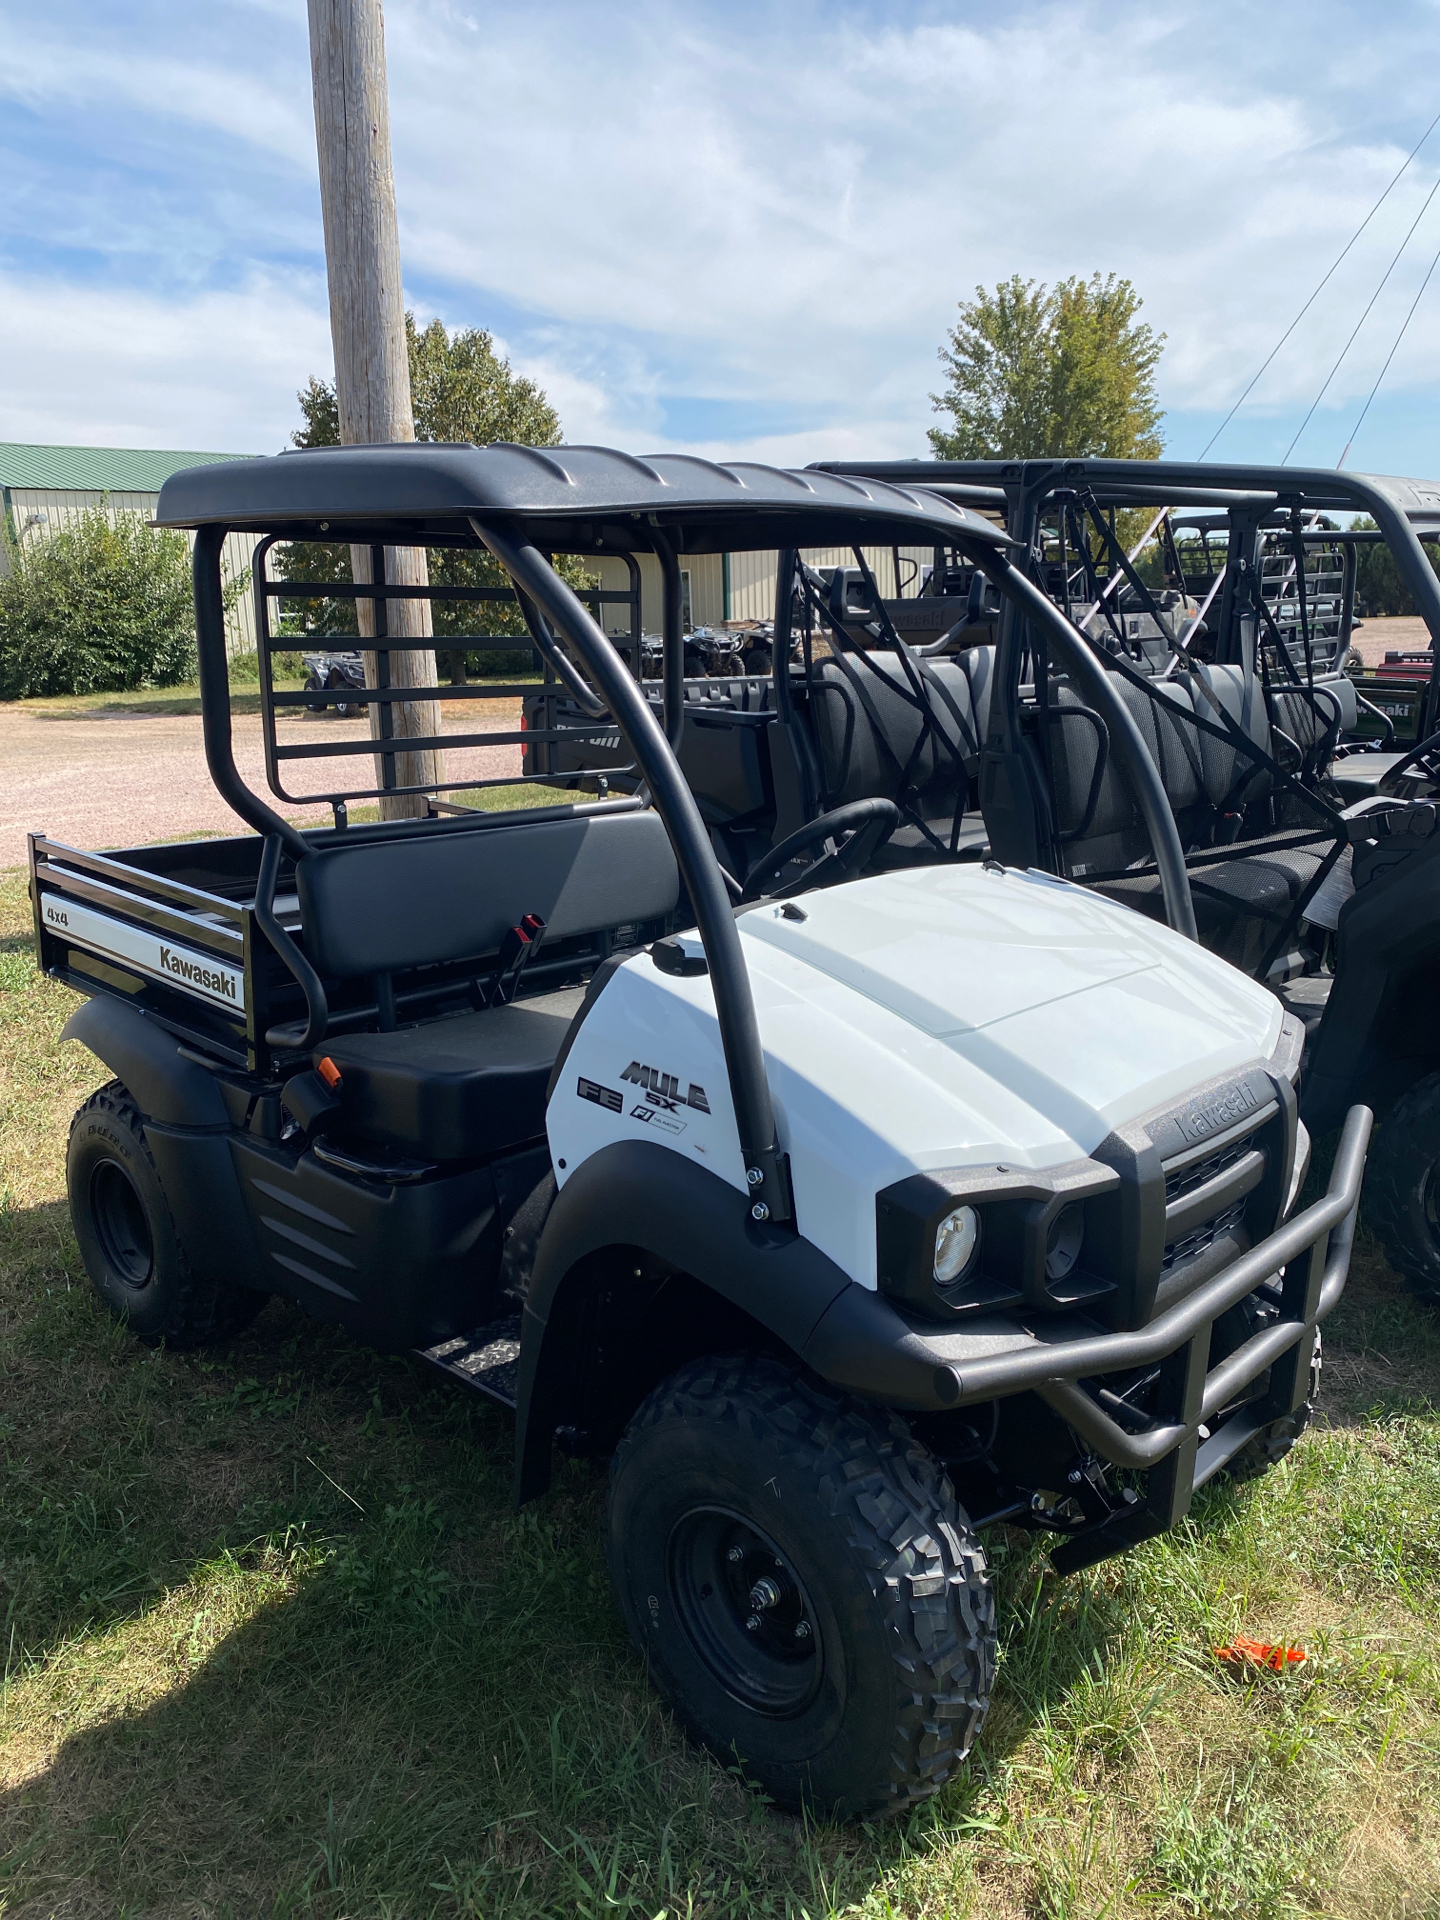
<point x="570" y="499"/>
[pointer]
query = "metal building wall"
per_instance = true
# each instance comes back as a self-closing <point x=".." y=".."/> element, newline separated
<point x="38" y="512"/>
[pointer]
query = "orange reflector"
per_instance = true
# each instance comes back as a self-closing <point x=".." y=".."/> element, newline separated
<point x="328" y="1072"/>
<point x="1255" y="1653"/>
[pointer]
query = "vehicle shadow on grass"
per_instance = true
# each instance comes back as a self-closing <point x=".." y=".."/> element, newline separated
<point x="312" y="1661"/>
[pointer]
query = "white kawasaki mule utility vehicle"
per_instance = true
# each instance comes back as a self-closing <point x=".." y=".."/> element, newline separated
<point x="846" y="1215"/>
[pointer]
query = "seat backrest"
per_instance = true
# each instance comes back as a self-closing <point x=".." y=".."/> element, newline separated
<point x="1307" y="716"/>
<point x="978" y="666"/>
<point x="446" y="893"/>
<point x="1230" y="776"/>
<point x="867" y="731"/>
<point x="1114" y="833"/>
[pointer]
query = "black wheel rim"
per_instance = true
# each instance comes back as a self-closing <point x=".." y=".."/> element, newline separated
<point x="745" y="1611"/>
<point x="120" y="1224"/>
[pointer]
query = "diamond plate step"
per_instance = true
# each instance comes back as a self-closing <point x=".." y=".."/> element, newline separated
<point x="487" y="1359"/>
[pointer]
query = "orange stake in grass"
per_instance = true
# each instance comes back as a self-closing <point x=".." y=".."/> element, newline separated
<point x="1255" y="1653"/>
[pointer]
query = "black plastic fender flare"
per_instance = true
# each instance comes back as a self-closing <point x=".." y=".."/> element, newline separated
<point x="637" y="1194"/>
<point x="165" y="1085"/>
<point x="188" y="1132"/>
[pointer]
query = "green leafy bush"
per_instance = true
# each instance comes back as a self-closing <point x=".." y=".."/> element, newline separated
<point x="245" y="668"/>
<point x="104" y="606"/>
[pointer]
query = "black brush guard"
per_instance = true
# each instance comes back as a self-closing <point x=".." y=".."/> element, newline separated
<point x="939" y="1370"/>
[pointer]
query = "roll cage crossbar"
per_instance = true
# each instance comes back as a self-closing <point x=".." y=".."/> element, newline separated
<point x="1404" y="510"/>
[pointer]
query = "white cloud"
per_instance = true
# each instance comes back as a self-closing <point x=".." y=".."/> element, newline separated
<point x="796" y="215"/>
<point x="215" y="373"/>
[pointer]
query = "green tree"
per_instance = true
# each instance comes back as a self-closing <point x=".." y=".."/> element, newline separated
<point x="1379" y="589"/>
<point x="461" y="390"/>
<point x="103" y="606"/>
<point x="1064" y="370"/>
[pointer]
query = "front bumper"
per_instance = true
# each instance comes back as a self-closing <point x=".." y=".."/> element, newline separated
<point x="864" y="1344"/>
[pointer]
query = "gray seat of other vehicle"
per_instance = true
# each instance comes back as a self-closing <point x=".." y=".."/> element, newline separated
<point x="875" y="740"/>
<point x="1245" y="893"/>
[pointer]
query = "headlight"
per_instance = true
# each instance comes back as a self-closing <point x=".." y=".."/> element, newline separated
<point x="957" y="1241"/>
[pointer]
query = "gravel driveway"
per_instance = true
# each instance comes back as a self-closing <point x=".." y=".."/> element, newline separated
<point x="117" y="779"/>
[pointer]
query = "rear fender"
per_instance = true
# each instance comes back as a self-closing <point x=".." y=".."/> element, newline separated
<point x="186" y="1129"/>
<point x="165" y="1085"/>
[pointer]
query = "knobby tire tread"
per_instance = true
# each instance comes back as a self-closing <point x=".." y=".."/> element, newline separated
<point x="901" y="1518"/>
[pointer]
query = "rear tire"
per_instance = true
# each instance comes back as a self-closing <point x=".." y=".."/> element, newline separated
<point x="315" y="685"/>
<point x="866" y="1673"/>
<point x="127" y="1236"/>
<point x="1402" y="1188"/>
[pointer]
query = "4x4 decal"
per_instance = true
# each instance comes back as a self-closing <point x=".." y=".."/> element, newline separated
<point x="663" y="1089"/>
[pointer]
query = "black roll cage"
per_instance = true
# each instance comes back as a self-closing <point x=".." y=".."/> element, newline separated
<point x="1404" y="510"/>
<point x="517" y="521"/>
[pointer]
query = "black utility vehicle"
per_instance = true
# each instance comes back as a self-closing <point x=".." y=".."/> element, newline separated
<point x="844" y="1216"/>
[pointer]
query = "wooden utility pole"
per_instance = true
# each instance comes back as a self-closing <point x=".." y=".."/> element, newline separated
<point x="367" y="325"/>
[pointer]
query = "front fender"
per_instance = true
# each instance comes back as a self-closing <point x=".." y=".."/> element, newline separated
<point x="638" y="1195"/>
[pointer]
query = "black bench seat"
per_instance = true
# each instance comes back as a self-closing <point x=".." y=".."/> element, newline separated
<point x="455" y="1089"/>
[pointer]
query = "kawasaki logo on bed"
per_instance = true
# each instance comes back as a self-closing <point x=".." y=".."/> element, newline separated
<point x="212" y="980"/>
<point x="663" y="1089"/>
<point x="197" y="973"/>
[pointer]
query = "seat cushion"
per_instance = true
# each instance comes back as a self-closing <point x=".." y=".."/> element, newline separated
<point x="909" y="847"/>
<point x="455" y="1089"/>
<point x="1241" y="903"/>
<point x="1358" y="775"/>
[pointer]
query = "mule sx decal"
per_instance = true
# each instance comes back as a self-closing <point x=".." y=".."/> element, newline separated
<point x="663" y="1089"/>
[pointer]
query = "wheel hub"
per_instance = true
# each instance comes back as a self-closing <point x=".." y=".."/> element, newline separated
<point x="745" y="1611"/>
<point x="120" y="1224"/>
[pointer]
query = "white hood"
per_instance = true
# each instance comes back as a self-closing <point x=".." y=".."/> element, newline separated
<point x="942" y="1017"/>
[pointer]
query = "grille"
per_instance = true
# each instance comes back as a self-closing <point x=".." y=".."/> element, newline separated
<point x="1203" y="1236"/>
<point x="1187" y="1179"/>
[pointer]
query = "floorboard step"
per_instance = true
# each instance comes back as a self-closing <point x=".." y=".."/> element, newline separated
<point x="487" y="1359"/>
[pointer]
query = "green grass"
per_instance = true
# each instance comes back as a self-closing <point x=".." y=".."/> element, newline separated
<point x="276" y="1644"/>
<point x="184" y="701"/>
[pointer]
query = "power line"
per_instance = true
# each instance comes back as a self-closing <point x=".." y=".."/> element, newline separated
<point x="1316" y="294"/>
<point x="1389" y="357"/>
<point x="1361" y="321"/>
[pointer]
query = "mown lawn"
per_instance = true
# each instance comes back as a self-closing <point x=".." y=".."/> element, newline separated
<point x="277" y="1645"/>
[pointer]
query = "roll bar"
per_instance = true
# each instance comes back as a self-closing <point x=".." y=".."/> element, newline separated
<point x="557" y="608"/>
<point x="765" y="1169"/>
<point x="1126" y="742"/>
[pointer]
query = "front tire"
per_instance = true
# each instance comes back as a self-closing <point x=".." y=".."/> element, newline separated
<point x="1402" y="1188"/>
<point x="1268" y="1447"/>
<point x="343" y="709"/>
<point x="804" y="1586"/>
<point x="127" y="1236"/>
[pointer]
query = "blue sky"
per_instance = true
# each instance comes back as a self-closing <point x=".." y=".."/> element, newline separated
<point x="736" y="229"/>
